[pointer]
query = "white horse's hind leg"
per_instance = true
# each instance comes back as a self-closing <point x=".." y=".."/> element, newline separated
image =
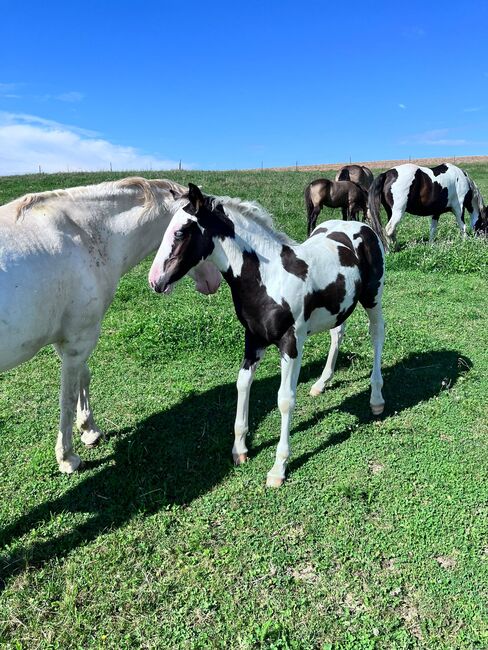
<point x="91" y="434"/>
<point x="74" y="354"/>
<point x="290" y="369"/>
<point x="336" y="336"/>
<point x="241" y="425"/>
<point x="377" y="332"/>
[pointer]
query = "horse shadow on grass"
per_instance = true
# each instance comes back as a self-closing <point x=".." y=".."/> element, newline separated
<point x="176" y="455"/>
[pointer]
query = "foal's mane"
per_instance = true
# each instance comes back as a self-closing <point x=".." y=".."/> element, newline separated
<point x="144" y="188"/>
<point x="245" y="212"/>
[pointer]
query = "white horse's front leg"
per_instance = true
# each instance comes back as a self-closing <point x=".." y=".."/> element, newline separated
<point x="252" y="358"/>
<point x="336" y="336"/>
<point x="290" y="369"/>
<point x="392" y="225"/>
<point x="74" y="354"/>
<point x="91" y="434"/>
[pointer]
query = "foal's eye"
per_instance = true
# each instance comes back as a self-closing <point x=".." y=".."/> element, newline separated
<point x="179" y="234"/>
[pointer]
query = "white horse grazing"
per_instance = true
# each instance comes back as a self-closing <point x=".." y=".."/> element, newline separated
<point x="62" y="254"/>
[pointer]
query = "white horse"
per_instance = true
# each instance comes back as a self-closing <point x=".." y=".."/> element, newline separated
<point x="62" y="254"/>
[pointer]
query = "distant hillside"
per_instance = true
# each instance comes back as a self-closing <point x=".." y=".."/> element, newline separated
<point x="384" y="164"/>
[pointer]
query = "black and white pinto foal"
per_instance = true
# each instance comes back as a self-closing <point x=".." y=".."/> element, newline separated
<point x="426" y="191"/>
<point x="282" y="292"/>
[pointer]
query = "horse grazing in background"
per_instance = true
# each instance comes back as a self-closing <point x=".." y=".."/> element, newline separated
<point x="357" y="174"/>
<point x="62" y="254"/>
<point x="427" y="191"/>
<point x="349" y="196"/>
<point x="282" y="293"/>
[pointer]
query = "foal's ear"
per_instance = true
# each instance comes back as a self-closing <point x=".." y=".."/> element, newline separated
<point x="195" y="196"/>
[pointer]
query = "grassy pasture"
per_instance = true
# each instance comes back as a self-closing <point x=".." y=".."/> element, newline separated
<point x="378" y="540"/>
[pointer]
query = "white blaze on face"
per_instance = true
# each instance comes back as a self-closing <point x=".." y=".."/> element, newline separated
<point x="180" y="219"/>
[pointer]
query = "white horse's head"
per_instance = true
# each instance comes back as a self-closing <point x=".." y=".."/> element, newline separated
<point x="184" y="250"/>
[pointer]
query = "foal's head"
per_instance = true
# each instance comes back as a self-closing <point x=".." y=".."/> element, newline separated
<point x="187" y="242"/>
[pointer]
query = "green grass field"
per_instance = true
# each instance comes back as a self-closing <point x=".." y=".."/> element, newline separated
<point x="378" y="540"/>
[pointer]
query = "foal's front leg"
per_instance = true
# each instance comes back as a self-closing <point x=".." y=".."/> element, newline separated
<point x="253" y="353"/>
<point x="290" y="369"/>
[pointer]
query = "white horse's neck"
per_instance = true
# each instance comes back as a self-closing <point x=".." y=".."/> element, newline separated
<point x="130" y="236"/>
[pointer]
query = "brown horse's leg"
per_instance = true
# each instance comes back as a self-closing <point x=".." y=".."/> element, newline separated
<point x="312" y="220"/>
<point x="345" y="215"/>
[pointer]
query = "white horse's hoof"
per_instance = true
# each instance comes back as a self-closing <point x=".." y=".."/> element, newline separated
<point x="70" y="465"/>
<point x="91" y="438"/>
<point x="239" y="459"/>
<point x="377" y="409"/>
<point x="314" y="391"/>
<point x="274" y="481"/>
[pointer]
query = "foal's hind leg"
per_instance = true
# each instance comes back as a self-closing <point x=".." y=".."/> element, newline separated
<point x="312" y="219"/>
<point x="252" y="357"/>
<point x="90" y="433"/>
<point x="377" y="332"/>
<point x="336" y="336"/>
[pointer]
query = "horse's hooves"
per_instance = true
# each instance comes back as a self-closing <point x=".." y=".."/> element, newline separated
<point x="70" y="465"/>
<point x="239" y="459"/>
<point x="91" y="438"/>
<point x="315" y="391"/>
<point x="377" y="409"/>
<point x="274" y="481"/>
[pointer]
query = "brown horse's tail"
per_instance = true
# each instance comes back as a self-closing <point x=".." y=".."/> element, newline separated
<point x="308" y="202"/>
<point x="374" y="206"/>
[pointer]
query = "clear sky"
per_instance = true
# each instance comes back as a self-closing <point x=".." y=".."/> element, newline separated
<point x="221" y="85"/>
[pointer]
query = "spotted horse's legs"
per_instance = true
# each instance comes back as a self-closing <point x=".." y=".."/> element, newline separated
<point x="336" y="336"/>
<point x="253" y="353"/>
<point x="290" y="369"/>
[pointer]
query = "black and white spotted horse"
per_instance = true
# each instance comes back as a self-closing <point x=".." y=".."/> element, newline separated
<point x="426" y="191"/>
<point x="282" y="292"/>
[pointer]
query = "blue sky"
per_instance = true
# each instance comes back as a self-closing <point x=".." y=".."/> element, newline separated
<point x="219" y="85"/>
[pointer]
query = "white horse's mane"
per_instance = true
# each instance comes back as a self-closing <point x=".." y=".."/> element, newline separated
<point x="145" y="188"/>
<point x="245" y="212"/>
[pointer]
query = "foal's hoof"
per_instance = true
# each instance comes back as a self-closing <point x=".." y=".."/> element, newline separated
<point x="314" y="391"/>
<point x="274" y="481"/>
<point x="70" y="465"/>
<point x="377" y="409"/>
<point x="239" y="459"/>
<point x="91" y="438"/>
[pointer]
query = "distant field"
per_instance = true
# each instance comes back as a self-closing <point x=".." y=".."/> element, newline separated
<point x="378" y="540"/>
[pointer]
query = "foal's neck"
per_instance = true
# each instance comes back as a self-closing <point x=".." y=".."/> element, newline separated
<point x="229" y="252"/>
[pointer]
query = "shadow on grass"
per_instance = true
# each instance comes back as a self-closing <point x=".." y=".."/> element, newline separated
<point x="174" y="456"/>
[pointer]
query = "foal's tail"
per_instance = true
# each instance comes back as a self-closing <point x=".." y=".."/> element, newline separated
<point x="477" y="197"/>
<point x="374" y="206"/>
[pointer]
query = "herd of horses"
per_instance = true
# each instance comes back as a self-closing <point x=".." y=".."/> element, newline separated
<point x="63" y="252"/>
<point x="422" y="191"/>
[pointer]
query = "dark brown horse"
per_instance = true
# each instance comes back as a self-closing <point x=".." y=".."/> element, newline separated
<point x="357" y="174"/>
<point x="349" y="196"/>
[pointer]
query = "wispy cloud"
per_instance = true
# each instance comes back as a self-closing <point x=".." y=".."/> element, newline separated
<point x="402" y="106"/>
<point x="29" y="141"/>
<point x="73" y="96"/>
<point x="414" y="32"/>
<point x="473" y="109"/>
<point x="436" y="137"/>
